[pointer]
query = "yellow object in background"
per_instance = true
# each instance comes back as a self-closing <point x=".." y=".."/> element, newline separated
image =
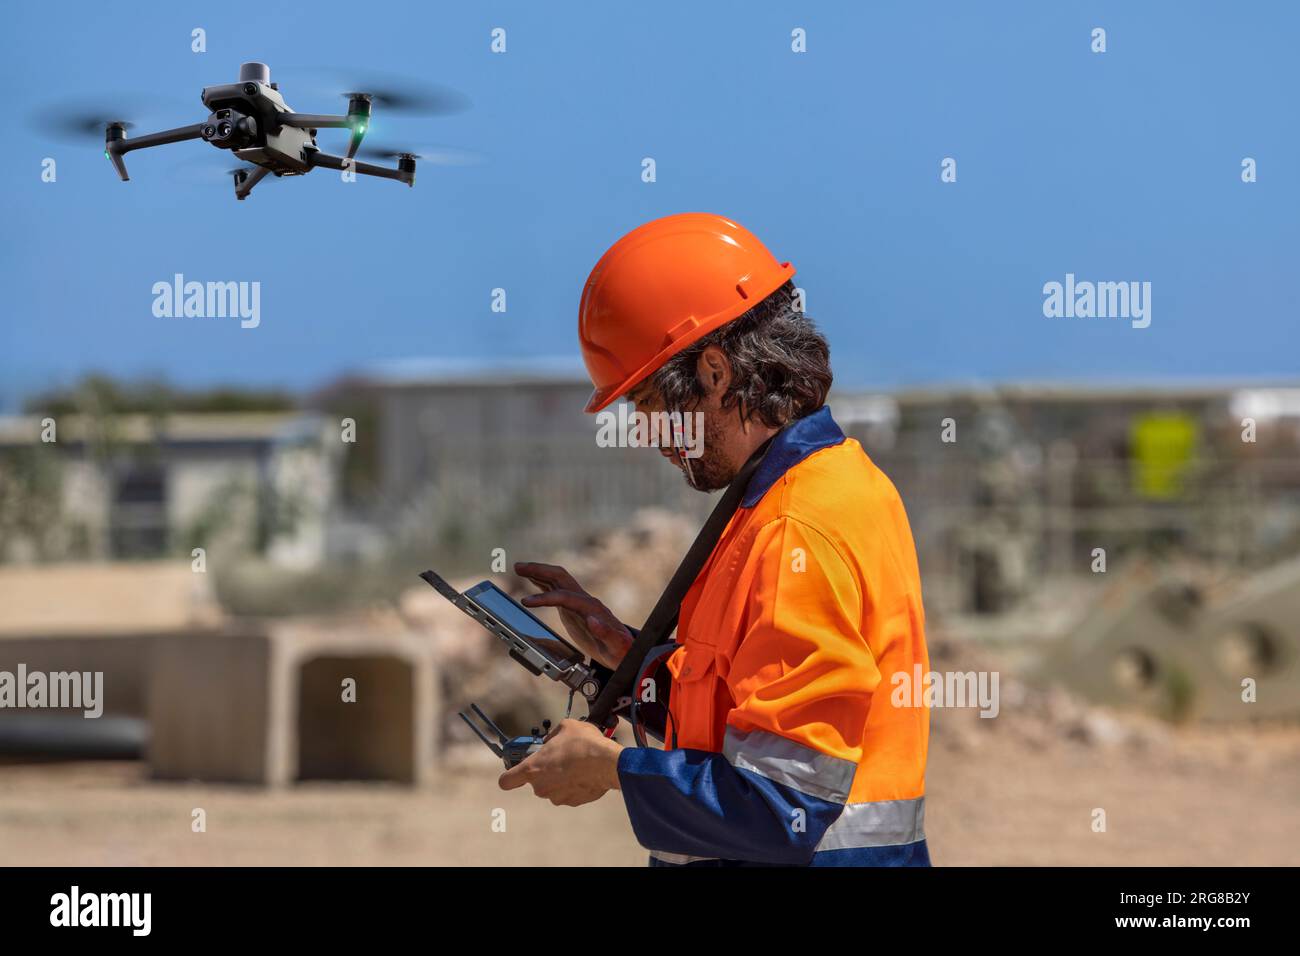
<point x="1163" y="445"/>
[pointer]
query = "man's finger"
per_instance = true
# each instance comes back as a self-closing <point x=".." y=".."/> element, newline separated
<point x="573" y="600"/>
<point x="515" y="777"/>
<point x="552" y="574"/>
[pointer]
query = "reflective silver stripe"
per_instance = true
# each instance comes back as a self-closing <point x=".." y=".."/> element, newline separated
<point x="678" y="859"/>
<point x="886" y="823"/>
<point x="785" y="762"/>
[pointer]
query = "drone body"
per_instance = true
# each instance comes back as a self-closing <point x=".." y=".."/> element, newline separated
<point x="251" y="119"/>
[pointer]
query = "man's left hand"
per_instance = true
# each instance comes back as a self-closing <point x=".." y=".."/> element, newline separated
<point x="576" y="765"/>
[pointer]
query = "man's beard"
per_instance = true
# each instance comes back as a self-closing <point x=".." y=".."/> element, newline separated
<point x="710" y="471"/>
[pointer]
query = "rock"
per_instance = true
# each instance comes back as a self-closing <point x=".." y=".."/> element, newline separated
<point x="1097" y="728"/>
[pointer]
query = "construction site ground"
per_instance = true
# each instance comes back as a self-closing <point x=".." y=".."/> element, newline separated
<point x="996" y="797"/>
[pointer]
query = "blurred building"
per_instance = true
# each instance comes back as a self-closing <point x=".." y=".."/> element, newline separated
<point x="1010" y="487"/>
<point x="1007" y="488"/>
<point x="457" y="457"/>
<point x="137" y="486"/>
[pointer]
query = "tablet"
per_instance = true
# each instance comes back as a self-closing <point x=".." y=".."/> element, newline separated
<point x="531" y="642"/>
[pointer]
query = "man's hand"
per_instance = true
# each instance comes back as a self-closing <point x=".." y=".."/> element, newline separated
<point x="576" y="765"/>
<point x="591" y="625"/>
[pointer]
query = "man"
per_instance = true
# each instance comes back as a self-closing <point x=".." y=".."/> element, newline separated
<point x="782" y="744"/>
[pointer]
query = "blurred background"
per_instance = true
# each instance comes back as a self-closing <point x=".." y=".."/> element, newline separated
<point x="228" y="521"/>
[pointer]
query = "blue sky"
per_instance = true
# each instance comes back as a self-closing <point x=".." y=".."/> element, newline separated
<point x="1116" y="166"/>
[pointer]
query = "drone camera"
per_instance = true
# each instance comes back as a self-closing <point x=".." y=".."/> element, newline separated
<point x="230" y="129"/>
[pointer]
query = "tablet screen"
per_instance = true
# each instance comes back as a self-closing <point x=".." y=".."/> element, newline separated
<point x="500" y="605"/>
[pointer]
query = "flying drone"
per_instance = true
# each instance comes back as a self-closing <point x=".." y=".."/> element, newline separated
<point x="251" y="119"/>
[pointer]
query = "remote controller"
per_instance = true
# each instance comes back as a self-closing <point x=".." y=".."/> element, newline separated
<point x="510" y="749"/>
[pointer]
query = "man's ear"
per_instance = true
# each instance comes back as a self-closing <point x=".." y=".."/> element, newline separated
<point x="714" y="371"/>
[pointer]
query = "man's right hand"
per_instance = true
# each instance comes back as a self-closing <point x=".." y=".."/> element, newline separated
<point x="592" y="626"/>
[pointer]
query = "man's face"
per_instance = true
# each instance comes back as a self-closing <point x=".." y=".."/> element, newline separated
<point x="711" y="470"/>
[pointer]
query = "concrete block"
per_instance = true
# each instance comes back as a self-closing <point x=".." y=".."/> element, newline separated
<point x="265" y="704"/>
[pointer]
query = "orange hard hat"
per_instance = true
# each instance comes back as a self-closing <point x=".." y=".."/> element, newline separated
<point x="663" y="286"/>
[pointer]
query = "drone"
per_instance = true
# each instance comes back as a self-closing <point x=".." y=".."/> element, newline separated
<point x="251" y="119"/>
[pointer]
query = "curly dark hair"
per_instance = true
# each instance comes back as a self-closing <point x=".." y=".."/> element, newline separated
<point x="780" y="364"/>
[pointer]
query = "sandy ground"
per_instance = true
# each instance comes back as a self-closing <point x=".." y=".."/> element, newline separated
<point x="1221" y="799"/>
<point x="110" y="814"/>
<point x="996" y="796"/>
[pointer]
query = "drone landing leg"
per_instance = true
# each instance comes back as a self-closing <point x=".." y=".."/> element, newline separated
<point x="244" y="185"/>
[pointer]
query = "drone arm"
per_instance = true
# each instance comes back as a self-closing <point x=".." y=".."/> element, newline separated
<point x="356" y="121"/>
<point x="180" y="134"/>
<point x="314" y="121"/>
<point x="116" y="144"/>
<point x="325" y="160"/>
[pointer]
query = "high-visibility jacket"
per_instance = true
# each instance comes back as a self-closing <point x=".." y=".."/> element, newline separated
<point x="789" y="749"/>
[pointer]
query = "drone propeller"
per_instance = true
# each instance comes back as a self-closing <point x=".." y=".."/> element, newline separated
<point x="211" y="174"/>
<point x="429" y="101"/>
<point x="86" y="120"/>
<point x="390" y="92"/>
<point x="243" y="178"/>
<point x="240" y="174"/>
<point x="88" y="126"/>
<point x="437" y="155"/>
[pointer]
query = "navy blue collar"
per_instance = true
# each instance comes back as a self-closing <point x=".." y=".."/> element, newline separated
<point x="792" y="445"/>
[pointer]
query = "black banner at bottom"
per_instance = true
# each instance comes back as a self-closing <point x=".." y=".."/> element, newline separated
<point x="334" y="907"/>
